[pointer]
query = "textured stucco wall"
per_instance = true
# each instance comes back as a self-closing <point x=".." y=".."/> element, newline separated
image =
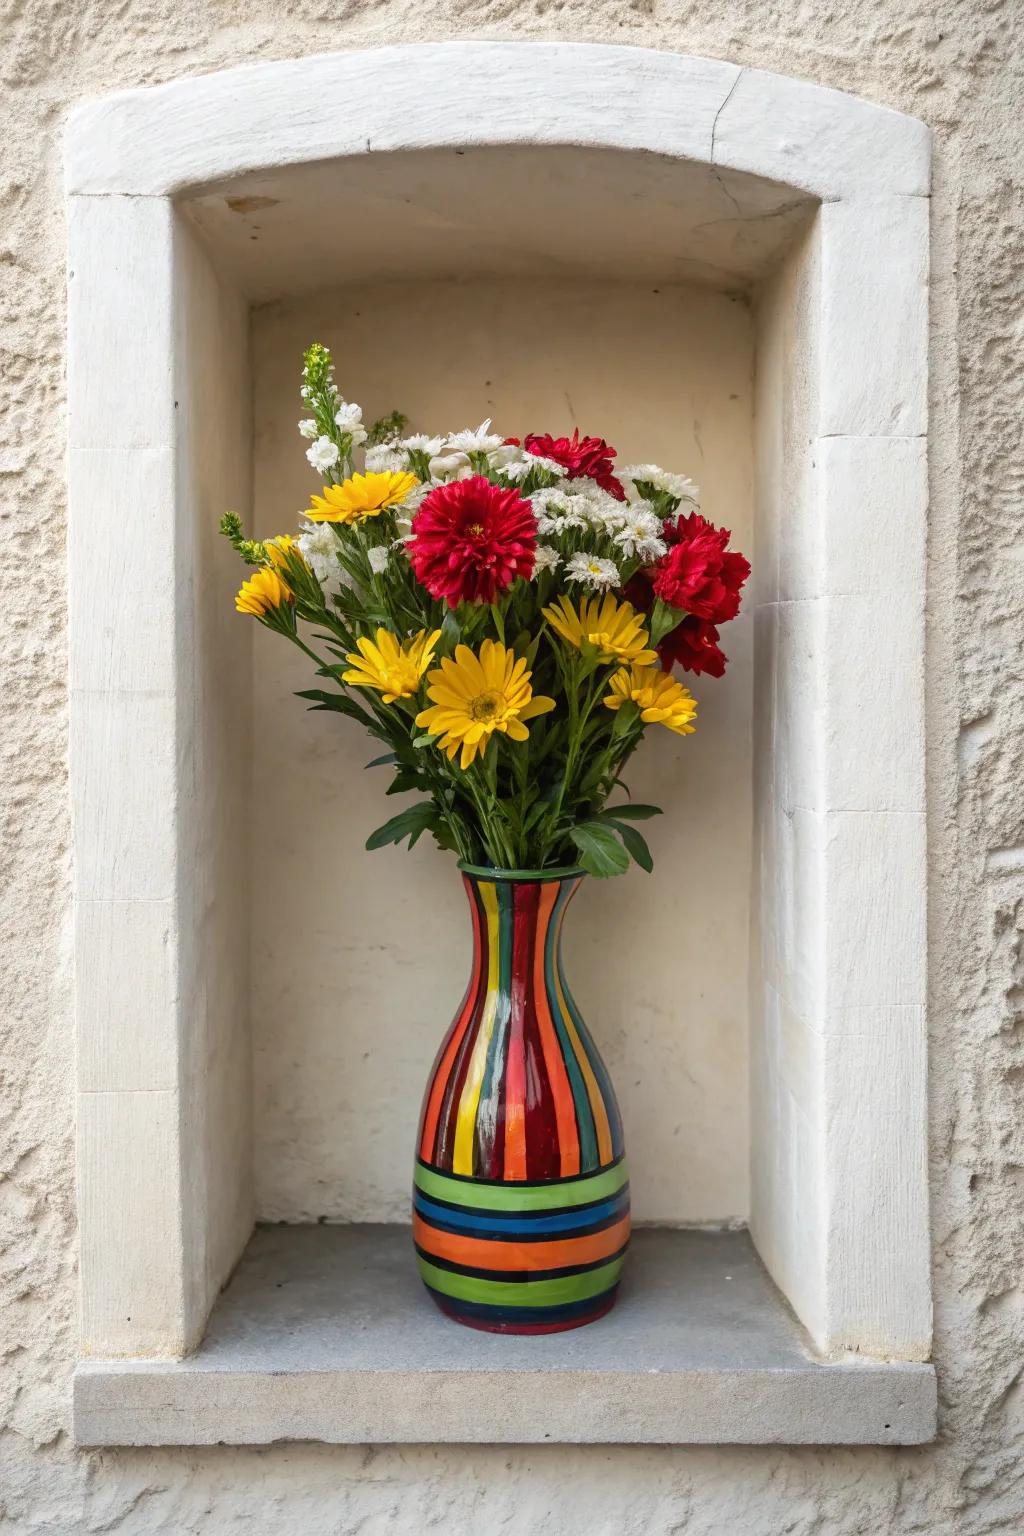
<point x="958" y="66"/>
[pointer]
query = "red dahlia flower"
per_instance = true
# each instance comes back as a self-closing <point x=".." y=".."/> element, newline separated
<point x="698" y="574"/>
<point x="587" y="457"/>
<point x="471" y="539"/>
<point x="693" y="644"/>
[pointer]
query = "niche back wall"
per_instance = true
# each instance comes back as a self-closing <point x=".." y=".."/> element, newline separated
<point x="360" y="959"/>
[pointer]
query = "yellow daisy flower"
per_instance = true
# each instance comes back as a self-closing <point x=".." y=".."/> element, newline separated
<point x="661" y="699"/>
<point x="474" y="696"/>
<point x="614" y="627"/>
<point x="280" y="549"/>
<point x="394" y="669"/>
<point x="262" y="592"/>
<point x="360" y="497"/>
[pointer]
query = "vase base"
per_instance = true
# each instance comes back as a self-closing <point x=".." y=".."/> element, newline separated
<point x="490" y="1320"/>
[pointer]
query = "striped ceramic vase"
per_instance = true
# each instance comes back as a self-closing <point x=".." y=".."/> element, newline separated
<point x="521" y="1197"/>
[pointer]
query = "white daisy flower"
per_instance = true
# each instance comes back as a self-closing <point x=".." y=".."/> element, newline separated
<point x="555" y="511"/>
<point x="508" y="453"/>
<point x="308" y="427"/>
<point x="592" y="571"/>
<point x="384" y="456"/>
<point x="323" y="454"/>
<point x="640" y="533"/>
<point x="601" y="510"/>
<point x="320" y="549"/>
<point x="679" y="486"/>
<point x="378" y="557"/>
<point x="474" y="440"/>
<point x="450" y="466"/>
<point x="519" y="468"/>
<point x="431" y="446"/>
<point x="348" y="416"/>
<point x="545" y="558"/>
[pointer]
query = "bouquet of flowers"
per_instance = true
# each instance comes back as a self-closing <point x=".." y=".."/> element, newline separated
<point x="503" y="616"/>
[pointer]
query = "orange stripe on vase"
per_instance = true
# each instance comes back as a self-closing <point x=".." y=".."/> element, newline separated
<point x="443" y="1066"/>
<point x="485" y="1253"/>
<point x="558" y="1077"/>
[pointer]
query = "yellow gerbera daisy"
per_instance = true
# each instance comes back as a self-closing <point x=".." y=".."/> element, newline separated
<point x="360" y="497"/>
<point x="280" y="549"/>
<point x="614" y="627"/>
<point x="661" y="699"/>
<point x="474" y="696"/>
<point x="262" y="592"/>
<point x="394" y="669"/>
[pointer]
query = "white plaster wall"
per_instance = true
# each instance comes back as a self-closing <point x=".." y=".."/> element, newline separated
<point x="958" y="66"/>
<point x="362" y="957"/>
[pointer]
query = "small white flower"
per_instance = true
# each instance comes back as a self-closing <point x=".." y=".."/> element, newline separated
<point x="358" y="436"/>
<point x="323" y="454"/>
<point x="515" y="469"/>
<point x="592" y="571"/>
<point x="640" y="533"/>
<point x="308" y="427"/>
<point x="679" y="486"/>
<point x="546" y="558"/>
<point x="305" y="391"/>
<point x="450" y="466"/>
<point x="319" y="546"/>
<point x="383" y="457"/>
<point x="508" y="453"/>
<point x="348" y="416"/>
<point x="599" y="508"/>
<point x="555" y="511"/>
<point x="419" y="441"/>
<point x="378" y="557"/>
<point x="474" y="440"/>
<point x="520" y="468"/>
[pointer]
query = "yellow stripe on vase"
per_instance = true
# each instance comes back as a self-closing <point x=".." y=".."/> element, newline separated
<point x="465" y="1125"/>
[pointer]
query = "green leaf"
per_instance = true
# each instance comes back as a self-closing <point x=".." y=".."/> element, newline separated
<point x="636" y="845"/>
<point x="341" y="704"/>
<point x="626" y="716"/>
<point x="385" y="759"/>
<point x="451" y="632"/>
<point x="601" y="853"/>
<point x="628" y="812"/>
<point x="404" y="780"/>
<point x="663" y="620"/>
<point x="410" y="823"/>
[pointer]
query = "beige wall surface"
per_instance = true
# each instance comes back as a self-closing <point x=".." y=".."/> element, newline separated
<point x="363" y="957"/>
<point x="957" y="66"/>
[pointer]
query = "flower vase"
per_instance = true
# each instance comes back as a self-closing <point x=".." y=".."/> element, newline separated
<point x="521" y="1194"/>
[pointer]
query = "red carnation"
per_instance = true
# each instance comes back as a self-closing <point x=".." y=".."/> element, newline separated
<point x="471" y="539"/>
<point x="587" y="457"/>
<point x="699" y="574"/>
<point x="693" y="644"/>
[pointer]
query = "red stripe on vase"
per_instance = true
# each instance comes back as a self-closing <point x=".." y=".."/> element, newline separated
<point x="442" y="1069"/>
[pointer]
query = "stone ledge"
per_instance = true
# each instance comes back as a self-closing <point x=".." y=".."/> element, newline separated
<point x="324" y="1333"/>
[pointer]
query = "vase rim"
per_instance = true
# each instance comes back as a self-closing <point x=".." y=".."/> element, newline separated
<point x="483" y="872"/>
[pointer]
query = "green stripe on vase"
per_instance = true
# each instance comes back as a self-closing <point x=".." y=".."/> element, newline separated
<point x="522" y="1293"/>
<point x="522" y="1197"/>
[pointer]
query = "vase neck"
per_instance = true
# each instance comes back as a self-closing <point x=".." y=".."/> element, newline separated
<point x="519" y="1090"/>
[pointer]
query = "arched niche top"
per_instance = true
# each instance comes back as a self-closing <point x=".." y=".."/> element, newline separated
<point x="207" y="132"/>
